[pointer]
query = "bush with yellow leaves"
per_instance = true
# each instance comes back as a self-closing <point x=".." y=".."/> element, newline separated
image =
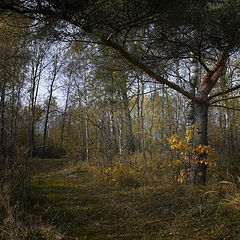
<point x="190" y="154"/>
<point x="121" y="175"/>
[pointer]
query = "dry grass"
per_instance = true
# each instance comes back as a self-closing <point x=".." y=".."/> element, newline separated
<point x="232" y="193"/>
<point x="15" y="224"/>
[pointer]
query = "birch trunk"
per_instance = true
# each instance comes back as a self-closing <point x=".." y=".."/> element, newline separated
<point x="191" y="114"/>
<point x="190" y="120"/>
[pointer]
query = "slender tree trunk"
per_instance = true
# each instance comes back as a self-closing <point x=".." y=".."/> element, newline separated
<point x="34" y="95"/>
<point x="120" y="133"/>
<point x="138" y="140"/>
<point x="128" y="120"/>
<point x="64" y="120"/>
<point x="234" y="132"/>
<point x="190" y="166"/>
<point x="12" y="146"/>
<point x="55" y="70"/>
<point x="47" y="117"/>
<point x="152" y="124"/>
<point x="86" y="136"/>
<point x="45" y="127"/>
<point x="16" y="120"/>
<point x="2" y="126"/>
<point x="86" y="132"/>
<point x="37" y="68"/>
<point x="191" y="89"/>
<point x="113" y="130"/>
<point x="2" y="109"/>
<point x="142" y="123"/>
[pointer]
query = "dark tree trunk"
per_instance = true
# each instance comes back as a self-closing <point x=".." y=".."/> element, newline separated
<point x="46" y="120"/>
<point x="2" y="125"/>
<point x="64" y="120"/>
<point x="114" y="132"/>
<point x="2" y="110"/>
<point x="128" y="121"/>
<point x="198" y="171"/>
<point x="55" y="70"/>
<point x="47" y="117"/>
<point x="201" y="138"/>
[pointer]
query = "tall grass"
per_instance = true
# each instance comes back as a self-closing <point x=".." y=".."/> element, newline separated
<point x="15" y="224"/>
<point x="232" y="193"/>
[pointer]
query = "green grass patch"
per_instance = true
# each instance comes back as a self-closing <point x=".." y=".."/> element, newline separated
<point x="80" y="203"/>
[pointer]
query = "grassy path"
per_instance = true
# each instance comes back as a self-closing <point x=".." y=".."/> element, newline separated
<point x="79" y="203"/>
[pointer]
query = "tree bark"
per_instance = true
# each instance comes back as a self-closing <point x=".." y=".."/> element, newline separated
<point x="201" y="138"/>
<point x="3" y="148"/>
<point x="46" y="120"/>
<point x="56" y="68"/>
<point x="191" y="89"/>
<point x="64" y="119"/>
<point x="189" y="165"/>
<point x="128" y="120"/>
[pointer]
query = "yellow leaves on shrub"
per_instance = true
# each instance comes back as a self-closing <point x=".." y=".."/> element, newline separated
<point x="199" y="154"/>
<point x="184" y="176"/>
<point x="188" y="154"/>
<point x="121" y="174"/>
<point x="119" y="169"/>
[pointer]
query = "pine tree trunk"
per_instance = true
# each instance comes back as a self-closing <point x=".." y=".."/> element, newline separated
<point x="201" y="136"/>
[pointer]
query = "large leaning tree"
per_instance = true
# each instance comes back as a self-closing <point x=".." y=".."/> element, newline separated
<point x="149" y="34"/>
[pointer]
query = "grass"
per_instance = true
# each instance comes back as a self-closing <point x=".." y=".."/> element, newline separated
<point x="79" y="203"/>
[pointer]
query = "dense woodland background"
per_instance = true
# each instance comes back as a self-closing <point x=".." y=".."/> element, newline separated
<point x="116" y="86"/>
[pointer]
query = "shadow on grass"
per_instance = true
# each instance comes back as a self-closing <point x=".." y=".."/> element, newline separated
<point x="82" y="205"/>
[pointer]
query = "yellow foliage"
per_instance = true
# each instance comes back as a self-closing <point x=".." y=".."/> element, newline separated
<point x="189" y="153"/>
<point x="121" y="174"/>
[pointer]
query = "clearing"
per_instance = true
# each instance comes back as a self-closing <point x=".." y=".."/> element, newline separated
<point x="82" y="206"/>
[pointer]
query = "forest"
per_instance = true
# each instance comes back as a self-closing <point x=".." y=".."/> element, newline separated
<point x="119" y="119"/>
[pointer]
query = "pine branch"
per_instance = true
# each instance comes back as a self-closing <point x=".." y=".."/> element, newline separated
<point x="135" y="62"/>
<point x="223" y="99"/>
<point x="223" y="92"/>
<point x="222" y="106"/>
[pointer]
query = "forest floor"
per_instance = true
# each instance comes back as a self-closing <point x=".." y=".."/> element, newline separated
<point x="82" y="206"/>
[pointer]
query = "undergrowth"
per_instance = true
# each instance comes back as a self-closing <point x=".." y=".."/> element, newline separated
<point x="86" y="203"/>
<point x="15" y="223"/>
<point x="120" y="202"/>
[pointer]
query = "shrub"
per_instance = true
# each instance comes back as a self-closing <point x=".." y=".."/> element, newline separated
<point x="121" y="175"/>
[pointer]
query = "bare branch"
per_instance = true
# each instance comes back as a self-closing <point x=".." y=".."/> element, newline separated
<point x="223" y="99"/>
<point x="212" y="76"/>
<point x="222" y="106"/>
<point x="223" y="92"/>
<point x="203" y="64"/>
